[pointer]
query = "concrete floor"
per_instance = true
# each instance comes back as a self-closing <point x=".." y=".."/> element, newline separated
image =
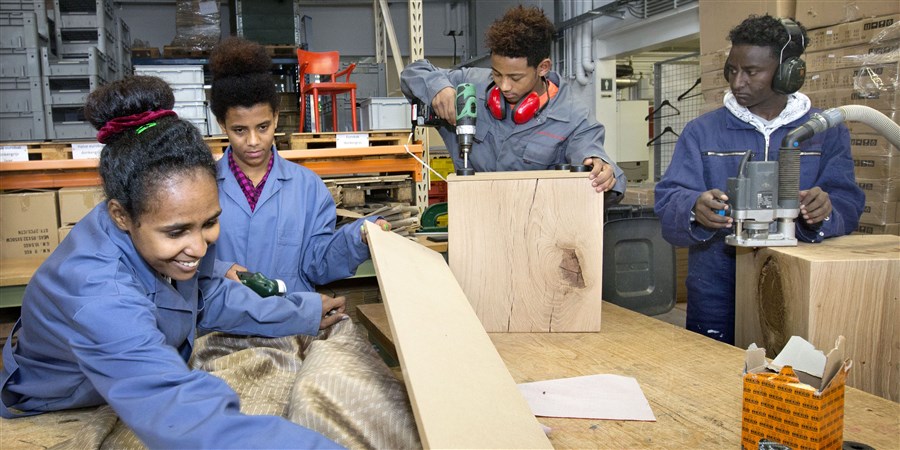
<point x="676" y="316"/>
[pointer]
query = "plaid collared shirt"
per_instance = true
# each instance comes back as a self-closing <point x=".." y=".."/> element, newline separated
<point x="252" y="193"/>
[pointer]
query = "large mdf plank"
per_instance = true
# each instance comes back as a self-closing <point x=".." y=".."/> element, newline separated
<point x="846" y="286"/>
<point x="461" y="392"/>
<point x="527" y="249"/>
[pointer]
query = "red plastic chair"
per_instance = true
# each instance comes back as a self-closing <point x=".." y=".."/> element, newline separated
<point x="326" y="65"/>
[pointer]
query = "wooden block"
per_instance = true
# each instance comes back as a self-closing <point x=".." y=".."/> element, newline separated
<point x="461" y="392"/>
<point x="527" y="249"/>
<point x="353" y="197"/>
<point x="844" y="286"/>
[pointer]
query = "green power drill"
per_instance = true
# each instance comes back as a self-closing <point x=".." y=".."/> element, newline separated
<point x="262" y="285"/>
<point x="466" y="112"/>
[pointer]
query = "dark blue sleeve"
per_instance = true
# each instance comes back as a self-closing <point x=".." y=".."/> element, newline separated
<point x="678" y="190"/>
<point x="835" y="176"/>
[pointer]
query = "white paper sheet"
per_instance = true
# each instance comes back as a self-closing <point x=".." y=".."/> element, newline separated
<point x="612" y="397"/>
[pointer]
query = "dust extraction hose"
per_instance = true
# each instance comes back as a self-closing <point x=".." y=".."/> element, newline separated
<point x="789" y="161"/>
<point x="882" y="124"/>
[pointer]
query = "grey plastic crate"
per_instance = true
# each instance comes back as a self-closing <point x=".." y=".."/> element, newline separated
<point x="82" y="6"/>
<point x="67" y="122"/>
<point x="74" y="43"/>
<point x="59" y="91"/>
<point x="17" y="126"/>
<point x="21" y="95"/>
<point x="19" y="30"/>
<point x="106" y="19"/>
<point x="96" y="64"/>
<point x="20" y="63"/>
<point x="36" y="6"/>
<point x="73" y="130"/>
<point x="20" y="5"/>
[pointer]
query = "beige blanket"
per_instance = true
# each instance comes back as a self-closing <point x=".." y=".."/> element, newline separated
<point x="334" y="383"/>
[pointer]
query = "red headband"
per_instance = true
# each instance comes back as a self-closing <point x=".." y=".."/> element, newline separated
<point x="120" y="124"/>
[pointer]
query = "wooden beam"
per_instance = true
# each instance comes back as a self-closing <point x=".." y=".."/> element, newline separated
<point x="461" y="392"/>
<point x="527" y="249"/>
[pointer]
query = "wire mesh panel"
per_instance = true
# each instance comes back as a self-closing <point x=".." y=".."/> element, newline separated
<point x="678" y="100"/>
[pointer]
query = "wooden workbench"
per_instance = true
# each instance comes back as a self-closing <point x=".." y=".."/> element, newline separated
<point x="693" y="383"/>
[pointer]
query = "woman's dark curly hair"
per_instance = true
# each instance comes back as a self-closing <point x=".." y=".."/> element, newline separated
<point x="767" y="31"/>
<point x="133" y="165"/>
<point x="523" y="32"/>
<point x="242" y="77"/>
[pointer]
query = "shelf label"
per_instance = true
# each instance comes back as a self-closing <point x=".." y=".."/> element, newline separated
<point x="352" y="140"/>
<point x="13" y="153"/>
<point x="86" y="150"/>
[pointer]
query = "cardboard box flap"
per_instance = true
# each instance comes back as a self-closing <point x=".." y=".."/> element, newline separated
<point x="834" y="361"/>
<point x="755" y="361"/>
<point x="810" y="365"/>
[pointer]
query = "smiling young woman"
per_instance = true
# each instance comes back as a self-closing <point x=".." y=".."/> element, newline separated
<point x="111" y="316"/>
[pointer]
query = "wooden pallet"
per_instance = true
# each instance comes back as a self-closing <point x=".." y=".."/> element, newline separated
<point x="217" y="144"/>
<point x="184" y="52"/>
<point x="282" y="51"/>
<point x="40" y="151"/>
<point x="306" y="141"/>
<point x="145" y="52"/>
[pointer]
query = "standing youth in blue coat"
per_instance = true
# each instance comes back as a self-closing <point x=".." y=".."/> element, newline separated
<point x="278" y="217"/>
<point x="527" y="117"/>
<point x="111" y="316"/>
<point x="755" y="117"/>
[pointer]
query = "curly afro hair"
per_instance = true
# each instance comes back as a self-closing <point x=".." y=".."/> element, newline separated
<point x="767" y="31"/>
<point x="523" y="32"/>
<point x="240" y="77"/>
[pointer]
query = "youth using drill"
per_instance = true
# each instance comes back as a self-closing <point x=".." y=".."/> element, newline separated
<point x="528" y="118"/>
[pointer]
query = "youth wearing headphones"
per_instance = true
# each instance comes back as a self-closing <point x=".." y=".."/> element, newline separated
<point x="528" y="117"/>
<point x="764" y="71"/>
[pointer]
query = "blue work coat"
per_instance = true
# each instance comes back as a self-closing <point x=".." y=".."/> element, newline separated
<point x="709" y="151"/>
<point x="99" y="325"/>
<point x="291" y="233"/>
<point x="564" y="132"/>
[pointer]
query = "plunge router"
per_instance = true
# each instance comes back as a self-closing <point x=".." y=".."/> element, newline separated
<point x="768" y="191"/>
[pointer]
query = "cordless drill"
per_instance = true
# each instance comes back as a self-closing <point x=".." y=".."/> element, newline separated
<point x="466" y="113"/>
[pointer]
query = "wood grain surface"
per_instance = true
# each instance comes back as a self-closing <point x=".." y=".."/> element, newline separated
<point x="462" y="395"/>
<point x="846" y="286"/>
<point x="693" y="383"/>
<point x="527" y="249"/>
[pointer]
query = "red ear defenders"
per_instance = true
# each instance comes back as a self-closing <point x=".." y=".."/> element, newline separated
<point x="524" y="111"/>
<point x="791" y="72"/>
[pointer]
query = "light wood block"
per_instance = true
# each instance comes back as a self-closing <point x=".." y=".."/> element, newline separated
<point x="846" y="286"/>
<point x="527" y="249"/>
<point x="461" y="392"/>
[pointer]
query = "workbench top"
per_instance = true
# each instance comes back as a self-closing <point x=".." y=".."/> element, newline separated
<point x="693" y="383"/>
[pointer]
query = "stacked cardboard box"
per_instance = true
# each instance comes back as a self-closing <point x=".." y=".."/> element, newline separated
<point x="857" y="63"/>
<point x="29" y="224"/>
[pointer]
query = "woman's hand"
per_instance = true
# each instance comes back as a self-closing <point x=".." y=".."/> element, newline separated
<point x="332" y="311"/>
<point x="383" y="224"/>
<point x="232" y="272"/>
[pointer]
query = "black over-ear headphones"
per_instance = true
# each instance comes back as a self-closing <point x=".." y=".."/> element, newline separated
<point x="790" y="73"/>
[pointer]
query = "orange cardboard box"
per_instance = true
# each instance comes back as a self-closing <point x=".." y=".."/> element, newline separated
<point x="802" y="408"/>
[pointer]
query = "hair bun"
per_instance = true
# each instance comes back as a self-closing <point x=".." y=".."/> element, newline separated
<point x="236" y="56"/>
